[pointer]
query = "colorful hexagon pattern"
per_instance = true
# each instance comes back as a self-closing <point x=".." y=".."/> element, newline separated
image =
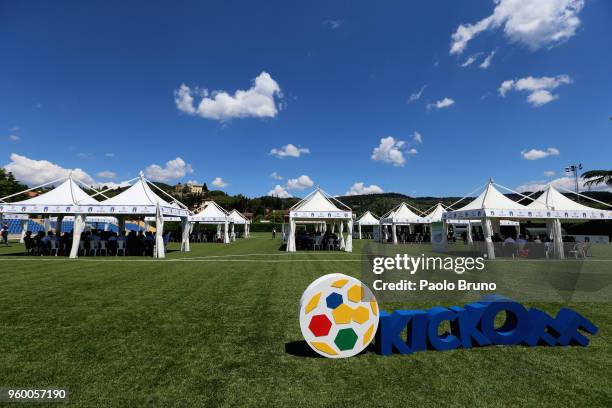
<point x="346" y="339"/>
<point x="361" y="314"/>
<point x="355" y="293"/>
<point x="333" y="300"/>
<point x="338" y="316"/>
<point x="320" y="325"/>
<point x="342" y="314"/>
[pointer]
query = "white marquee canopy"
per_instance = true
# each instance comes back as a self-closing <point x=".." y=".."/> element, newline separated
<point x="213" y="213"/>
<point x="237" y="218"/>
<point x="322" y="207"/>
<point x="551" y="206"/>
<point x="366" y="218"/>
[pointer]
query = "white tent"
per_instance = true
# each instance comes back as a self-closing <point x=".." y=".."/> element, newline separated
<point x="319" y="206"/>
<point x="437" y="214"/>
<point x="237" y="218"/>
<point x="488" y="207"/>
<point x="66" y="198"/>
<point x="139" y="199"/>
<point x="399" y="216"/>
<point x="366" y="219"/>
<point x="551" y="206"/>
<point x="213" y="213"/>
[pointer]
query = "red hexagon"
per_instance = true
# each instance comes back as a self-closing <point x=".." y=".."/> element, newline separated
<point x="320" y="325"/>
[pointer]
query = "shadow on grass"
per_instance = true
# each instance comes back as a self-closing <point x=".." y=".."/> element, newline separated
<point x="300" y="349"/>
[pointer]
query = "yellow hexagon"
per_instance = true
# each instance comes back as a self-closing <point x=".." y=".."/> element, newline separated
<point x="360" y="315"/>
<point x="355" y="293"/>
<point x="342" y="314"/>
<point x="339" y="283"/>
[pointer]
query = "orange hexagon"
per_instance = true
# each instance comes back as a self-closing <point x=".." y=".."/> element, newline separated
<point x="342" y="314"/>
<point x="360" y="314"/>
<point x="355" y="293"/>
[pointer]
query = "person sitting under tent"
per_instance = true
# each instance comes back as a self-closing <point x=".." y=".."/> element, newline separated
<point x="5" y="231"/>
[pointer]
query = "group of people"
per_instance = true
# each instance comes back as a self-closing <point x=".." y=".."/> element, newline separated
<point x="316" y="240"/>
<point x="93" y="242"/>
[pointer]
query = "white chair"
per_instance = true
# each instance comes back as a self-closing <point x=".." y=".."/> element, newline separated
<point x="103" y="248"/>
<point x="54" y="247"/>
<point x="578" y="251"/>
<point x="317" y="242"/>
<point x="93" y="247"/>
<point x="120" y="247"/>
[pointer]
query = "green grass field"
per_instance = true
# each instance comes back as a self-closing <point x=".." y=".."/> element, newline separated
<point x="218" y="327"/>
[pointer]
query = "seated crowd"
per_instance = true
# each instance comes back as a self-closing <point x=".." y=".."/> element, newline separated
<point x="317" y="240"/>
<point x="532" y="246"/>
<point x="93" y="242"/>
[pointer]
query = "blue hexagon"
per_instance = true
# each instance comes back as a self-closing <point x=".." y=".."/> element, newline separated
<point x="334" y="300"/>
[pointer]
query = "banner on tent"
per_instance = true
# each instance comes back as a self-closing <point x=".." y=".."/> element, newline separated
<point x="89" y="209"/>
<point x="321" y="214"/>
<point x="521" y="213"/>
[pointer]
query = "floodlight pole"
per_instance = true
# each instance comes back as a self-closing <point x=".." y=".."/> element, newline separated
<point x="573" y="169"/>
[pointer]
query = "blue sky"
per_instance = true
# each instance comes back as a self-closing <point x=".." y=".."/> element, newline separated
<point x="93" y="86"/>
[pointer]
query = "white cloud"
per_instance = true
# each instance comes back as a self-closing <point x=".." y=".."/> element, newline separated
<point x="417" y="137"/>
<point x="441" y="104"/>
<point x="536" y="154"/>
<point x="86" y="156"/>
<point x="14" y="138"/>
<point x="360" y="189"/>
<point x="471" y="59"/>
<point x="103" y="185"/>
<point x="107" y="174"/>
<point x="539" y="89"/>
<point x="218" y="182"/>
<point x="110" y="155"/>
<point x="390" y="151"/>
<point x="564" y="182"/>
<point x="487" y="61"/>
<point x="549" y="173"/>
<point x="174" y="169"/>
<point x="412" y="151"/>
<point x="289" y="151"/>
<point x="257" y="101"/>
<point x="15" y="129"/>
<point x="299" y="183"/>
<point x="532" y="23"/>
<point x="279" y="191"/>
<point x="415" y="96"/>
<point x="276" y="176"/>
<point x="35" y="172"/>
<point x="333" y="24"/>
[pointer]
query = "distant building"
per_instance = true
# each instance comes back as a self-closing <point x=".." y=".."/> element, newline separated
<point x="195" y="188"/>
<point x="188" y="188"/>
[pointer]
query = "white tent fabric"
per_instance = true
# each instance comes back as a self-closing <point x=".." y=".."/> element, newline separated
<point x="65" y="198"/>
<point x="553" y="199"/>
<point x="436" y="214"/>
<point x="138" y="194"/>
<point x="78" y="228"/>
<point x="491" y="198"/>
<point x="319" y="206"/>
<point x="366" y="219"/>
<point x="213" y="213"/>
<point x="160" y="250"/>
<point x="402" y="215"/>
<point x="238" y="218"/>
